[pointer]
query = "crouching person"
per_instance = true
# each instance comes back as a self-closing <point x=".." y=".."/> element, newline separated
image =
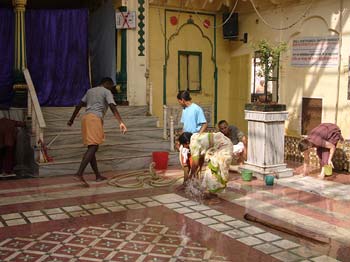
<point x="215" y="149"/>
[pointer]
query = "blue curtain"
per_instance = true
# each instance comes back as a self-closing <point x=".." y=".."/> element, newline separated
<point x="57" y="55"/>
<point x="7" y="29"/>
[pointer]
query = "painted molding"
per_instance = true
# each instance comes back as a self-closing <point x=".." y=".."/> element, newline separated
<point x="141" y="31"/>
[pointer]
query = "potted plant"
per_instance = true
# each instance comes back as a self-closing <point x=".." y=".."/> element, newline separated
<point x="266" y="60"/>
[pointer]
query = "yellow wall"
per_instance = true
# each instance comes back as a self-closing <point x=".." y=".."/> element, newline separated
<point x="296" y="82"/>
<point x="156" y="58"/>
<point x="190" y="38"/>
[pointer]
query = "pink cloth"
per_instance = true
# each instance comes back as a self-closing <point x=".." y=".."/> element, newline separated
<point x="321" y="134"/>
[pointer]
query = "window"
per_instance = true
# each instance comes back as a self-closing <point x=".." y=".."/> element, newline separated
<point x="190" y="71"/>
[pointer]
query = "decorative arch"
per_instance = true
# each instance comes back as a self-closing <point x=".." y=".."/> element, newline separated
<point x="295" y="34"/>
<point x="189" y="22"/>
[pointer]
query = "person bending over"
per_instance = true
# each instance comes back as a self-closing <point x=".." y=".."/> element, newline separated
<point x="214" y="148"/>
<point x="324" y="138"/>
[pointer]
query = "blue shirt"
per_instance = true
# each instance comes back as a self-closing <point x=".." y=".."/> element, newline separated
<point x="192" y="118"/>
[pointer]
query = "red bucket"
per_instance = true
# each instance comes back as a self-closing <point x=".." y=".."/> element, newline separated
<point x="161" y="160"/>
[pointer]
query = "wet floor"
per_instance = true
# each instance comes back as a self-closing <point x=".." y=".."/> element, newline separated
<point x="55" y="219"/>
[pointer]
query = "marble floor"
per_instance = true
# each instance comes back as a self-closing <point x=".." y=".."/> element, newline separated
<point x="55" y="219"/>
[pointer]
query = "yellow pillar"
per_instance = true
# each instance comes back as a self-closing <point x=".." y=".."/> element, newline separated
<point x="20" y="49"/>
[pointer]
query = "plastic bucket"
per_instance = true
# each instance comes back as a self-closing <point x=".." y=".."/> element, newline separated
<point x="161" y="160"/>
<point x="269" y="180"/>
<point x="247" y="175"/>
<point x="328" y="170"/>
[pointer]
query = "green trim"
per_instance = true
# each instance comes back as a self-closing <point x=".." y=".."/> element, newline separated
<point x="166" y="52"/>
<point x="166" y="43"/>
<point x="164" y="84"/>
<point x="213" y="168"/>
<point x="141" y="25"/>
<point x="216" y="173"/>
<point x="188" y="23"/>
<point x="215" y="79"/>
<point x="165" y="62"/>
<point x="189" y="53"/>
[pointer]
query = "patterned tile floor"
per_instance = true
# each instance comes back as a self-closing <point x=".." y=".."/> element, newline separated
<point x="103" y="223"/>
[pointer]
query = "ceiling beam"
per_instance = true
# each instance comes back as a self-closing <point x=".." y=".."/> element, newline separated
<point x="188" y="2"/>
<point x="219" y="5"/>
<point x="205" y="2"/>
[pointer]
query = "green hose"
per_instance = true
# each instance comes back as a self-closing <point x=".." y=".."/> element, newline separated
<point x="143" y="176"/>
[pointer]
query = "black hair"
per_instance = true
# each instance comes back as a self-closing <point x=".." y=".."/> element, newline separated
<point x="222" y="122"/>
<point x="185" y="95"/>
<point x="185" y="138"/>
<point x="304" y="144"/>
<point x="106" y="80"/>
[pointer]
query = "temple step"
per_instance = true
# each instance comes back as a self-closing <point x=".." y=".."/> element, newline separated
<point x="66" y="112"/>
<point x="60" y="124"/>
<point x="112" y="135"/>
<point x="109" y="150"/>
<point x="131" y="151"/>
<point x="136" y="162"/>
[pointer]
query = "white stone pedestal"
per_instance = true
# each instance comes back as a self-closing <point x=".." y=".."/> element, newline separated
<point x="266" y="144"/>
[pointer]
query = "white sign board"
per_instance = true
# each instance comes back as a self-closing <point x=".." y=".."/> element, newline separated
<point x="125" y="20"/>
<point x="319" y="51"/>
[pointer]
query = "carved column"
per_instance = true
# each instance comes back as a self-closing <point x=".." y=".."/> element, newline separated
<point x="20" y="86"/>
<point x="20" y="50"/>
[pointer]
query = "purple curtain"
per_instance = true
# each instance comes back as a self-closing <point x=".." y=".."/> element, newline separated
<point x="7" y="41"/>
<point x="57" y="55"/>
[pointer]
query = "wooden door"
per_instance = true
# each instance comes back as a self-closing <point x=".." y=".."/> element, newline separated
<point x="311" y="114"/>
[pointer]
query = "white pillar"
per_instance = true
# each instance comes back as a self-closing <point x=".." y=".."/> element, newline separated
<point x="171" y="133"/>
<point x="266" y="143"/>
<point x="136" y="60"/>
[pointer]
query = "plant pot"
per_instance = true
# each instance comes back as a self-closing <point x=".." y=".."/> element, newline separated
<point x="265" y="107"/>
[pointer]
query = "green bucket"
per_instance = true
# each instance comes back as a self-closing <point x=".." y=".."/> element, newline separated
<point x="327" y="170"/>
<point x="247" y="175"/>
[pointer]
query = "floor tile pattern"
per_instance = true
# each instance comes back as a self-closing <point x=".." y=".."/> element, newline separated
<point x="138" y="240"/>
<point x="257" y="238"/>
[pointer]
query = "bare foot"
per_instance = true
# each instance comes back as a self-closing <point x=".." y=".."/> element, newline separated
<point x="321" y="177"/>
<point x="82" y="180"/>
<point x="100" y="178"/>
<point x="181" y="187"/>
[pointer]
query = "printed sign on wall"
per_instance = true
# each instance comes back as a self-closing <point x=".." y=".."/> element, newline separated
<point x="316" y="51"/>
<point x="125" y="20"/>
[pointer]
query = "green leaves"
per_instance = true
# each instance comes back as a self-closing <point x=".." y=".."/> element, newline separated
<point x="268" y="55"/>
